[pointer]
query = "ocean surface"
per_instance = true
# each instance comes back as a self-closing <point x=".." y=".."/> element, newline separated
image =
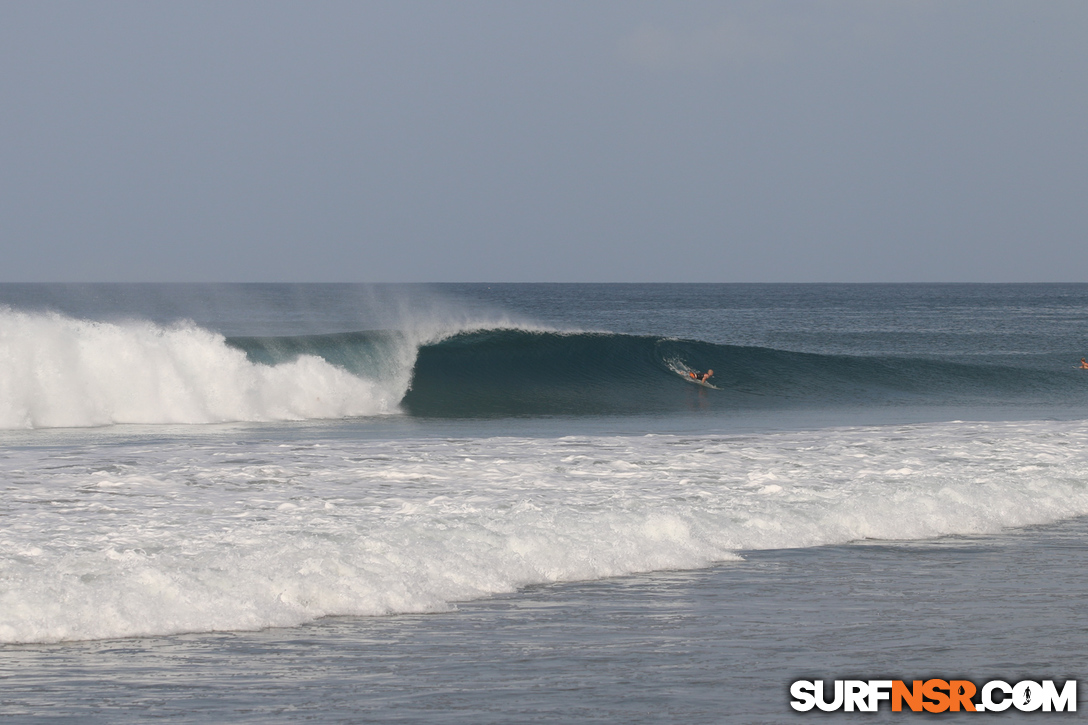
<point x="506" y="503"/>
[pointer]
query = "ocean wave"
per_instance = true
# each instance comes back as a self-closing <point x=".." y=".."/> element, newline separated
<point x="63" y="372"/>
<point x="519" y="372"/>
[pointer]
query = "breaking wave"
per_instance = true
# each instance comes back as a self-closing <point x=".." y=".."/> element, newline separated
<point x="59" y="371"/>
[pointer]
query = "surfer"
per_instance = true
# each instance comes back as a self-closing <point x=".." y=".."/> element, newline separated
<point x="707" y="375"/>
<point x="1083" y="364"/>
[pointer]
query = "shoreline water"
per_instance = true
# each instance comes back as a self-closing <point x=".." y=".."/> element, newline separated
<point x="716" y="645"/>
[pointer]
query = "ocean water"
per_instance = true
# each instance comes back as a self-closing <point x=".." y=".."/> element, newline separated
<point x="505" y="503"/>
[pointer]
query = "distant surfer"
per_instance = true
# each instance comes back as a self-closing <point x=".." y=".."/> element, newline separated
<point x="709" y="373"/>
<point x="1083" y="364"/>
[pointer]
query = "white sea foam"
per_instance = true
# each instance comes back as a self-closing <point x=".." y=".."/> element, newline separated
<point x="110" y="539"/>
<point x="58" y="371"/>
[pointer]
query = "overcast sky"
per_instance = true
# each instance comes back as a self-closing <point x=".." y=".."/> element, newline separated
<point x="544" y="141"/>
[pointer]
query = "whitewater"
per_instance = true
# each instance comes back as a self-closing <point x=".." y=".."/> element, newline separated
<point x="141" y="537"/>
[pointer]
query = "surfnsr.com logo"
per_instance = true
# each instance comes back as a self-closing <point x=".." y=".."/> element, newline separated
<point x="934" y="696"/>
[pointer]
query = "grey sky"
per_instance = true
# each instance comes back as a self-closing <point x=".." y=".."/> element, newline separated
<point x="544" y="141"/>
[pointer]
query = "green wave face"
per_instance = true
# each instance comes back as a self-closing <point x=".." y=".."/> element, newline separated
<point x="511" y="372"/>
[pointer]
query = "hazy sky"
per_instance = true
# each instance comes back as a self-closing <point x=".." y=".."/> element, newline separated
<point x="544" y="141"/>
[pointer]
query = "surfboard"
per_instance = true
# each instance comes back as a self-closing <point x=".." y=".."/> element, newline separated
<point x="699" y="382"/>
